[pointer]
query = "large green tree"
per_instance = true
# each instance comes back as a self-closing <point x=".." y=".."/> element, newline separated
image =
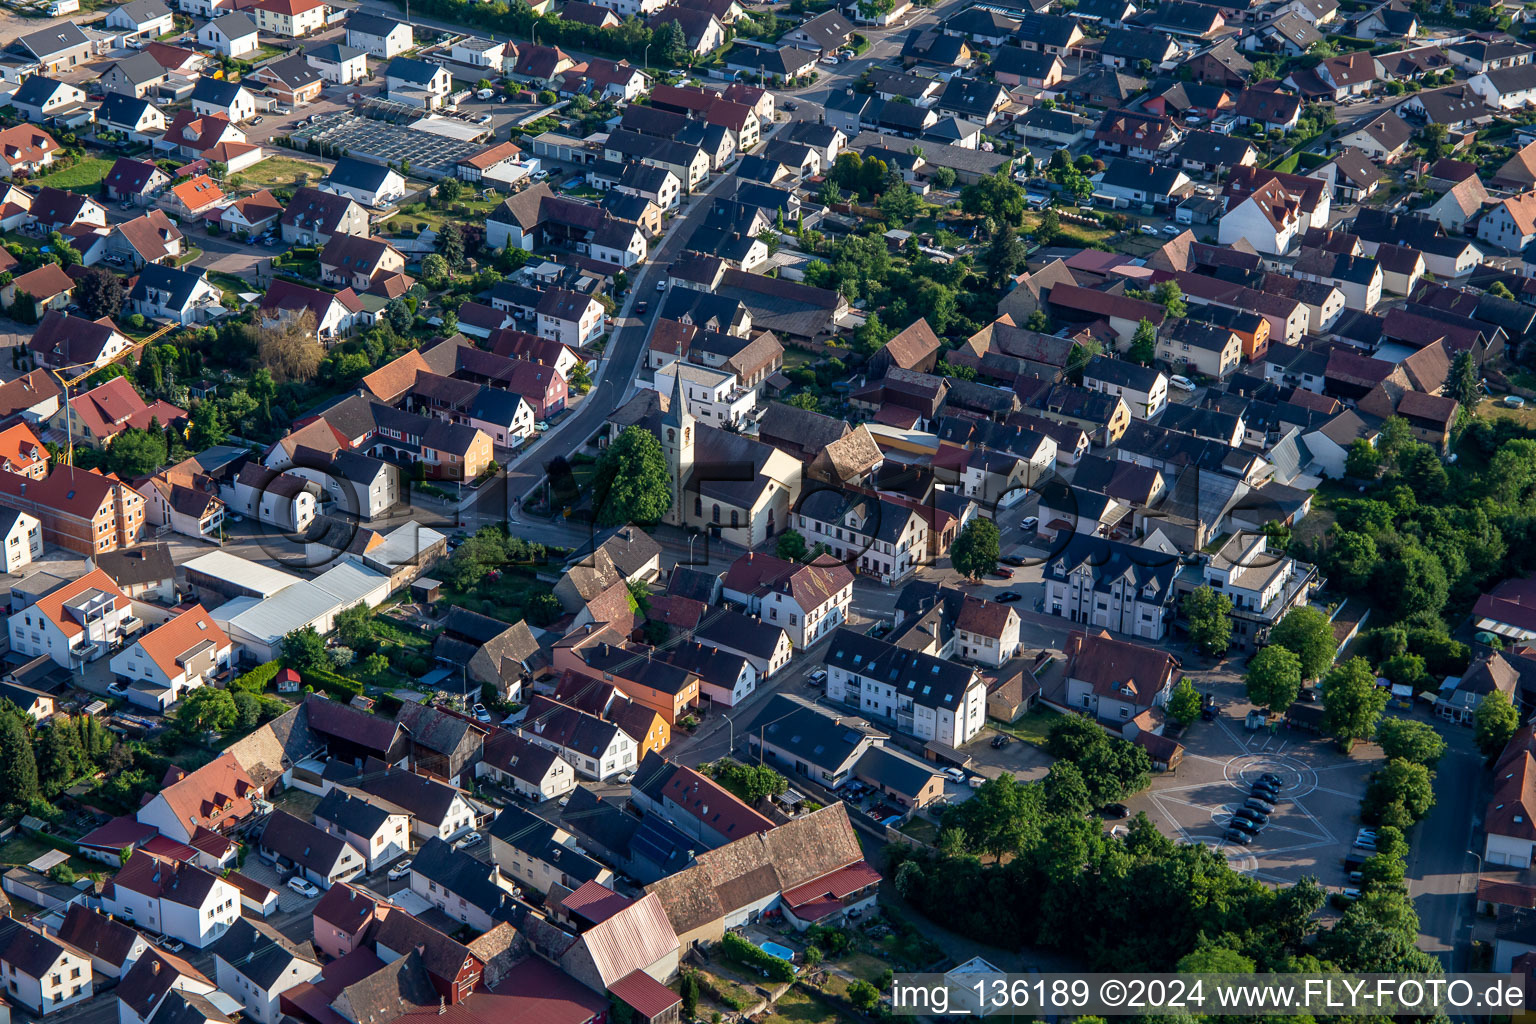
<point x="135" y="453"/>
<point x="1144" y="343"/>
<point x="1306" y="632"/>
<point x="1410" y="740"/>
<point x="1209" y="617"/>
<point x="1352" y="702"/>
<point x="632" y="483"/>
<point x="1274" y="678"/>
<point x="207" y="709"/>
<point x="1184" y="702"/>
<point x="18" y="765"/>
<point x="1399" y="794"/>
<point x="1463" y="384"/>
<point x="1496" y="720"/>
<point x="975" y="552"/>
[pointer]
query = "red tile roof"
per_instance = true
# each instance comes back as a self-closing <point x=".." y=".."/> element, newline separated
<point x="648" y="997"/>
<point x="821" y="896"/>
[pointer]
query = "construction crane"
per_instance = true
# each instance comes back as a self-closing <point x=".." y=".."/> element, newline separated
<point x="70" y="381"/>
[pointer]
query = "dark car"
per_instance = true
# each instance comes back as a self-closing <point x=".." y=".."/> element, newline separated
<point x="1267" y="787"/>
<point x="642" y="307"/>
<point x="1001" y="740"/>
<point x="1008" y="597"/>
<point x="1243" y="824"/>
<point x="1252" y="814"/>
<point x="1117" y="811"/>
<point x="1308" y="695"/>
<point x="1208" y="713"/>
<point x="1271" y="778"/>
<point x="1241" y="838"/>
<point x="1013" y="560"/>
<point x="1260" y="804"/>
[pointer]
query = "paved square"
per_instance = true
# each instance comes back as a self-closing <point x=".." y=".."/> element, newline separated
<point x="1316" y="814"/>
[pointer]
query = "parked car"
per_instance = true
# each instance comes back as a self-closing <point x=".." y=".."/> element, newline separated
<point x="172" y="945"/>
<point x="954" y="774"/>
<point x="1001" y="740"/>
<point x="641" y="308"/>
<point x="117" y="689"/>
<point x="1271" y="777"/>
<point x="1148" y="229"/>
<point x="1181" y="382"/>
<point x="304" y="887"/>
<point x="1241" y="838"/>
<point x="1244" y="825"/>
<point x="1350" y="894"/>
<point x="818" y="678"/>
<point x="1208" y="713"/>
<point x="1254" y="803"/>
<point x="661" y="285"/>
<point x="1252" y="814"/>
<point x="471" y="839"/>
<point x="1172" y="230"/>
<point x="625" y="778"/>
<point x="1002" y="573"/>
<point x="1117" y="811"/>
<point x="1029" y="522"/>
<point x="400" y="870"/>
<point x="481" y="714"/>
<point x="1008" y="597"/>
<point x="1013" y="560"/>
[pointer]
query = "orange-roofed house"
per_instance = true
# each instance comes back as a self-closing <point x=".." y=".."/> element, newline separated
<point x="98" y="416"/>
<point x="77" y="623"/>
<point x="193" y="196"/>
<point x="218" y="796"/>
<point x="21" y="452"/>
<point x="26" y="149"/>
<point x="291" y="18"/>
<point x="180" y="655"/>
<point x="81" y="510"/>
<point x="251" y="215"/>
<point x="1511" y="224"/>
<point x="48" y="287"/>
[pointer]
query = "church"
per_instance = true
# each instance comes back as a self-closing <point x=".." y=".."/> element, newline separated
<point x="736" y="487"/>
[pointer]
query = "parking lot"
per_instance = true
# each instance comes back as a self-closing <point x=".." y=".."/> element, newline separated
<point x="1316" y="813"/>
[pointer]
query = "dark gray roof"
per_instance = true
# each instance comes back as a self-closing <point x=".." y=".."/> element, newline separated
<point x="259" y="952"/>
<point x="815" y="735"/>
<point x="148" y="563"/>
<point x="468" y="877"/>
<point x="426" y="799"/>
<point x="37" y="89"/>
<point x="1122" y="372"/>
<point x="178" y="284"/>
<point x="371" y="24"/>
<point x="894" y="770"/>
<point x="351" y="813"/>
<point x="302" y="843"/>
<point x="181" y="1007"/>
<point x="398" y="988"/>
<point x="63" y="36"/>
<point x="211" y="90"/>
<point x="724" y="627"/>
<point x="353" y="173"/>
<point x="530" y="834"/>
<point x="121" y="108"/>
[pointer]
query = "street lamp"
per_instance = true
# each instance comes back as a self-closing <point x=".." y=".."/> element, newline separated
<point x="691" y="539"/>
<point x="645" y="61"/>
<point x="1479" y="857"/>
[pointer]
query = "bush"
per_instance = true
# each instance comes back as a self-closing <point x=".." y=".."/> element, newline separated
<point x="257" y="679"/>
<point x="336" y="685"/>
<point x="743" y="952"/>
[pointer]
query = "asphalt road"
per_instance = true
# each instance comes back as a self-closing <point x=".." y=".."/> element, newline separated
<point x="1442" y="874"/>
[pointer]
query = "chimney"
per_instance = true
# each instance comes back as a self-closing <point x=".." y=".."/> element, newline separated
<point x="154" y="966"/>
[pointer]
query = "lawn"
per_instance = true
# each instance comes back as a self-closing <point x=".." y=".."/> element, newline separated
<point x="798" y="1008"/>
<point x="921" y="829"/>
<point x="281" y="171"/>
<point x="22" y="849"/>
<point x="191" y="255"/>
<point x="232" y="287"/>
<point x="1032" y="726"/>
<point x="505" y="598"/>
<point x="1492" y="410"/>
<point x="85" y="175"/>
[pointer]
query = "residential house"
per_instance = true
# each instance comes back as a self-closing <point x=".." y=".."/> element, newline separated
<point x="926" y="697"/>
<point x="384" y="38"/>
<point x="1144" y="388"/>
<point x="1116" y="680"/>
<point x="81" y="510"/>
<point x="42" y="972"/>
<point x="142" y="18"/>
<point x="21" y="540"/>
<point x="25" y="149"/>
<point x="293" y="81"/>
<point x="369" y="184"/>
<point x="230" y="35"/>
<point x="184" y="296"/>
<point x="172" y="898"/>
<point x="254" y="963"/>
<point x="1111" y="585"/>
<point x="527" y="768"/>
<point x="228" y="99"/>
<point x="290" y="18"/>
<point x="41" y="99"/>
<point x="417" y="83"/>
<point x="183" y="653"/>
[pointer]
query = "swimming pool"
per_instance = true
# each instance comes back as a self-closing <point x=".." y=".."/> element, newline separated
<point x="774" y="949"/>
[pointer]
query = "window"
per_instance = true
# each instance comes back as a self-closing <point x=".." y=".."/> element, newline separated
<point x="716" y="515"/>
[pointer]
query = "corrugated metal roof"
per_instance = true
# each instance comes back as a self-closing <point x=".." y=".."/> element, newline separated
<point x="633" y="939"/>
<point x="252" y="575"/>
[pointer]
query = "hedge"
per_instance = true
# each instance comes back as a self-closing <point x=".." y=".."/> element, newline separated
<point x="333" y="684"/>
<point x="743" y="952"/>
<point x="257" y="679"/>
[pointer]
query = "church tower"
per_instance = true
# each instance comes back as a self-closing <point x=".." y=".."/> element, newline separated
<point x="677" y="430"/>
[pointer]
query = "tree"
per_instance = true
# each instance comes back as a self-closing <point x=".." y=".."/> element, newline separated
<point x="672" y="43"/>
<point x="58" y="754"/>
<point x="18" y="766"/>
<point x="1170" y="296"/>
<point x="1004" y="256"/>
<point x="751" y="782"/>
<point x="791" y="546"/>
<point x="151" y="375"/>
<point x="135" y="453"/>
<point x="1405" y="670"/>
<point x="1306" y="632"/>
<point x="1496" y="721"/>
<point x="291" y="350"/>
<point x="871" y="336"/>
<point x="1209" y="615"/>
<point x="207" y="709"/>
<point x="61" y="247"/>
<point x="207" y="427"/>
<point x="1065" y="791"/>
<point x="1463" y="383"/>
<point x="1500" y="290"/>
<point x="450" y="242"/>
<point x="1352" y="702"/>
<point x="1399" y="794"/>
<point x="1070" y="737"/>
<point x="1274" y="678"/>
<point x="1184" y="702"/>
<point x="1144" y="343"/>
<point x="399" y="315"/>
<point x="943" y="177"/>
<point x="975" y="552"/>
<point x="354" y="627"/>
<point x="688" y="992"/>
<point x="1413" y="583"/>
<point x="1362" y="460"/>
<point x="1354" y="559"/>
<point x="632" y="482"/>
<point x="100" y="293"/>
<point x="1410" y="740"/>
<point x="899" y="204"/>
<point x="434" y="269"/>
<point x="304" y="649"/>
<point x="449" y="190"/>
<point x="1433" y="138"/>
<point x="580" y="378"/>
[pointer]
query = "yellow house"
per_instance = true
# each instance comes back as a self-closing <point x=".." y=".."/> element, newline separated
<point x="291" y="18"/>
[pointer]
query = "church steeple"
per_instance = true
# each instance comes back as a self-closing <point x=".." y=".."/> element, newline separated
<point x="677" y="429"/>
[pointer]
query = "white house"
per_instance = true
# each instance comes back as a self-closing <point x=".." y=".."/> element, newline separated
<point x="890" y="541"/>
<point x="293" y="844"/>
<point x="382" y="37"/>
<point x="1144" y="388"/>
<point x="1506" y="88"/>
<point x="417" y="83"/>
<point x="168" y="293"/>
<point x="714" y="396"/>
<point x="380" y="834"/>
<point x="464" y="887"/>
<point x="571" y="318"/>
<point x="1269" y="219"/>
<point x="986" y="632"/>
<point x="1512" y="223"/>
<point x="146" y="18"/>
<point x="534" y="771"/>
<point x="436" y="809"/>
<point x="173" y="659"/>
<point x="809" y="601"/>
<point x="256" y="964"/>
<point x="172" y="898"/>
<point x="217" y="796"/>
<point x="369" y="184"/>
<point x="232" y="35"/>
<point x="283" y="500"/>
<point x="339" y="64"/>
<point x="77" y="623"/>
<point x="925" y="696"/>
<point x="153" y="979"/>
<point x="234" y="101"/>
<point x="41" y="972"/>
<point x="21" y="539"/>
<point x="595" y="748"/>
